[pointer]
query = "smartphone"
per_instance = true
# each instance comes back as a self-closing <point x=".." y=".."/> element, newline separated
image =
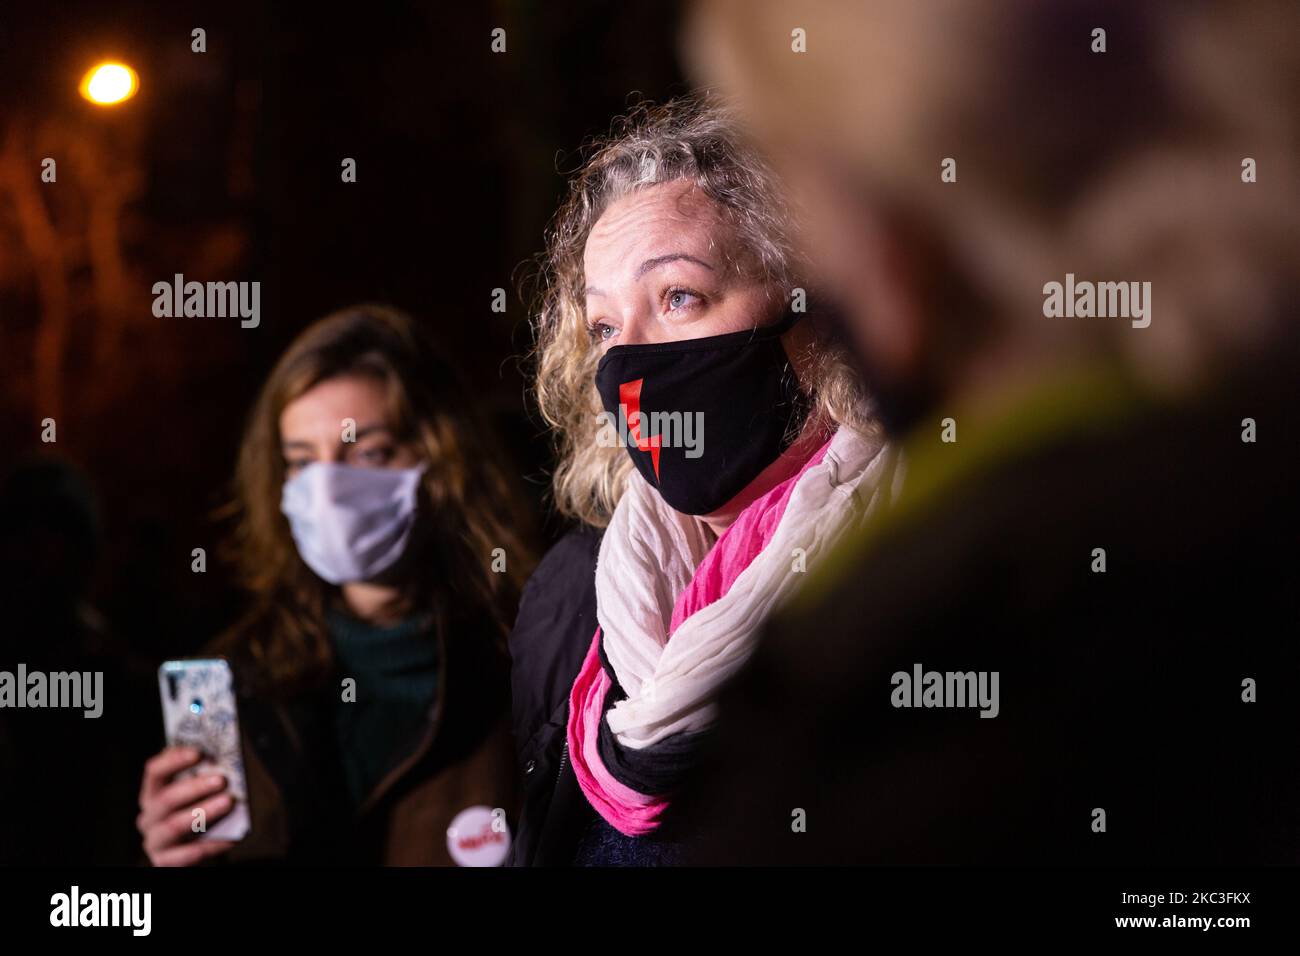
<point x="199" y="710"/>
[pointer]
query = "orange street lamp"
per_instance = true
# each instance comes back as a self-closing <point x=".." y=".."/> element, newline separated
<point x="109" y="84"/>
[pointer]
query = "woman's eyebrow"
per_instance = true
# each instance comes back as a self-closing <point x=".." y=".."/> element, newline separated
<point x="655" y="263"/>
<point x="658" y="261"/>
<point x="361" y="432"/>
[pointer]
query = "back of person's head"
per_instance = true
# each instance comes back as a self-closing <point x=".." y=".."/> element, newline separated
<point x="1002" y="146"/>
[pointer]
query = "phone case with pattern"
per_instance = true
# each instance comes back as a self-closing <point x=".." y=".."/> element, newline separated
<point x="198" y="704"/>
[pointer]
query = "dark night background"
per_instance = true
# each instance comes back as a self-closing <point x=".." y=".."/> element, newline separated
<point x="226" y="166"/>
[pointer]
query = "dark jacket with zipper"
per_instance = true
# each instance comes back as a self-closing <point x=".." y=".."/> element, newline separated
<point x="557" y="620"/>
<point x="460" y="757"/>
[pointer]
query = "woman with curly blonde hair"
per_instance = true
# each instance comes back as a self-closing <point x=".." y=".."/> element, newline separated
<point x="712" y="443"/>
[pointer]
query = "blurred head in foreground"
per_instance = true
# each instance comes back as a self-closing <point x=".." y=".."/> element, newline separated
<point x="955" y="160"/>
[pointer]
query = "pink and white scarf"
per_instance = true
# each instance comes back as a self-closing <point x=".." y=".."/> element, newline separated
<point x="679" y="613"/>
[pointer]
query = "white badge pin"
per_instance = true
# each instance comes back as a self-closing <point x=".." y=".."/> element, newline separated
<point x="479" y="836"/>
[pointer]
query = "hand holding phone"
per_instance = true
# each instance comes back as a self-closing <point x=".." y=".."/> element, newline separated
<point x="177" y="798"/>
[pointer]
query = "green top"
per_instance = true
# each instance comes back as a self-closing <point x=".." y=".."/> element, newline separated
<point x="396" y="674"/>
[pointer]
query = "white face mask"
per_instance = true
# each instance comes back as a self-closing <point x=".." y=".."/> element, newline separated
<point x="350" y="523"/>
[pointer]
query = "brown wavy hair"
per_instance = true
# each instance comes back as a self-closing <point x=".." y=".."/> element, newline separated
<point x="471" y="504"/>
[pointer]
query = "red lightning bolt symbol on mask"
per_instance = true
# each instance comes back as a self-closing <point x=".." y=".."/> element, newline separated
<point x="629" y="396"/>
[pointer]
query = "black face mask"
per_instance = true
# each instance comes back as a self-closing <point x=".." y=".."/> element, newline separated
<point x="702" y="417"/>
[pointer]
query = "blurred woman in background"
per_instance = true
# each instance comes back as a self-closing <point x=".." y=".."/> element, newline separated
<point x="370" y="511"/>
<point x="712" y="430"/>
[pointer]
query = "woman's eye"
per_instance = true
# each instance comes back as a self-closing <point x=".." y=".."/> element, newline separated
<point x="374" y="456"/>
<point x="680" y="298"/>
<point x="295" y="466"/>
<point x="601" y="332"/>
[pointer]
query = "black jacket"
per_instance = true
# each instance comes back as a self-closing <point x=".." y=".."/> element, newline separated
<point x="1120" y="691"/>
<point x="557" y="619"/>
<point x="460" y="758"/>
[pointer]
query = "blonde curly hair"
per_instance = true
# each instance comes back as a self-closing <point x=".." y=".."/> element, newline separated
<point x="693" y="138"/>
